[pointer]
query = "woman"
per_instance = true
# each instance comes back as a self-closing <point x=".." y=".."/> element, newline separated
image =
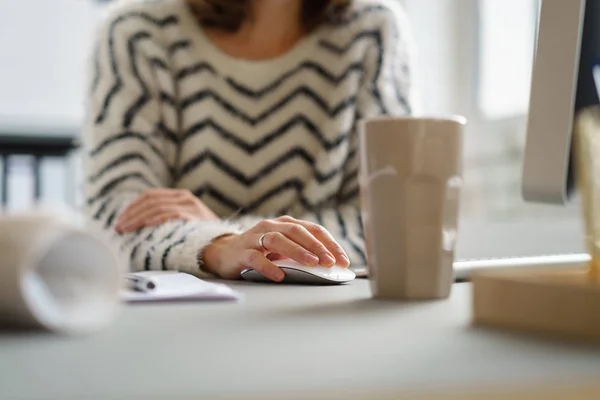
<point x="223" y="133"/>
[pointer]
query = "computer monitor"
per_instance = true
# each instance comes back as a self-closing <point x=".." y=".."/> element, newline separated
<point x="562" y="84"/>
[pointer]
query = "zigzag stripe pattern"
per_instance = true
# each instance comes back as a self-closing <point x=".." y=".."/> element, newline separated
<point x="299" y="120"/>
<point x="295" y="185"/>
<point x="396" y="39"/>
<point x="195" y="69"/>
<point x="110" y="219"/>
<point x="113" y="183"/>
<point x="147" y="239"/>
<point x="245" y="90"/>
<point x="117" y="139"/>
<point x="178" y="46"/>
<point x="145" y="96"/>
<point x="159" y="63"/>
<point x="96" y="71"/>
<point x="354" y="15"/>
<point x="102" y="208"/>
<point x="172" y="246"/>
<point x="344" y="233"/>
<point x="118" y="85"/>
<point x="307" y="65"/>
<point x="168" y="250"/>
<point x="167" y="133"/>
<point x="240" y="177"/>
<point x="116" y="163"/>
<point x="166" y="98"/>
<point x="148" y="258"/>
<point x="341" y="50"/>
<point x="252" y="139"/>
<point x="307" y="92"/>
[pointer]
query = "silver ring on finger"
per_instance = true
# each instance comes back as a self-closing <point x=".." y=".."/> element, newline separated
<point x="261" y="241"/>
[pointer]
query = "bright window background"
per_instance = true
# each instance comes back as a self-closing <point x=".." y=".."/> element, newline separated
<point x="45" y="46"/>
<point x="474" y="59"/>
<point x="506" y="45"/>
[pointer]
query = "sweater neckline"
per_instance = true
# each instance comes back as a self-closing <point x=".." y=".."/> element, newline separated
<point x="287" y="60"/>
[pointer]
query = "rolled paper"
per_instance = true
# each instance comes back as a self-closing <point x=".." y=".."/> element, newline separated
<point x="56" y="275"/>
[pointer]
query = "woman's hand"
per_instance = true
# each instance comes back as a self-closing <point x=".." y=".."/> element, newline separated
<point x="156" y="206"/>
<point x="284" y="237"/>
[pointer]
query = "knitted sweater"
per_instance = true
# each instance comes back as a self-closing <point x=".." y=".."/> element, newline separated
<point x="251" y="139"/>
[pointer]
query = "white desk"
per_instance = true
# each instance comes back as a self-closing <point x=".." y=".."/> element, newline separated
<point x="284" y="341"/>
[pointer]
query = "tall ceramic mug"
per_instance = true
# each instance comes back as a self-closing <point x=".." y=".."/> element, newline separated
<point x="56" y="276"/>
<point x="410" y="184"/>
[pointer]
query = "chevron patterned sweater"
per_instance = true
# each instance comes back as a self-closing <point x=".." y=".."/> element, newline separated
<point x="251" y="139"/>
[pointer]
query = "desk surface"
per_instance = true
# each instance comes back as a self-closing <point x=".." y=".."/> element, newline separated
<point x="284" y="340"/>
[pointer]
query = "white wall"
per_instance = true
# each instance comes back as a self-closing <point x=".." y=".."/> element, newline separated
<point x="446" y="35"/>
<point x="436" y="35"/>
<point x="42" y="63"/>
<point x="446" y="38"/>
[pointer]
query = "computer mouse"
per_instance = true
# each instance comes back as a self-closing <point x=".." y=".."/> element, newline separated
<point x="296" y="273"/>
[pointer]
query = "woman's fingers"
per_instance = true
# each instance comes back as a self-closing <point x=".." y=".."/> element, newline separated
<point x="324" y="237"/>
<point x="299" y="235"/>
<point x="163" y="217"/>
<point x="277" y="242"/>
<point x="256" y="259"/>
<point x="137" y="222"/>
<point x="276" y="256"/>
<point x="268" y="241"/>
<point x="147" y="200"/>
<point x="152" y="207"/>
<point x="303" y="237"/>
<point x="153" y="197"/>
<point x="133" y="221"/>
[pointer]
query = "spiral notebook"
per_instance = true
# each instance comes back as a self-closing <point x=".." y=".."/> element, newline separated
<point x="174" y="286"/>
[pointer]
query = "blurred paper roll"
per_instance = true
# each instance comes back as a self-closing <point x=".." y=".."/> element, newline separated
<point x="56" y="276"/>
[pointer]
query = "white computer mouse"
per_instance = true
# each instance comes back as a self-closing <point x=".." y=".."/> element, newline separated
<point x="296" y="273"/>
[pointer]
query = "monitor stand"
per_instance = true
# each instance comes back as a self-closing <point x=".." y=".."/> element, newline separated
<point x="554" y="300"/>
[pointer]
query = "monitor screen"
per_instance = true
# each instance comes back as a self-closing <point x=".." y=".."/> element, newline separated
<point x="562" y="83"/>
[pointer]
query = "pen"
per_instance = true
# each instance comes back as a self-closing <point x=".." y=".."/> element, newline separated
<point x="139" y="283"/>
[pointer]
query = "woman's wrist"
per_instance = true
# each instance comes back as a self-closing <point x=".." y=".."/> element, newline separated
<point x="211" y="254"/>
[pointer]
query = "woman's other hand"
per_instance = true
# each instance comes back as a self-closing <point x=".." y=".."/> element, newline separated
<point x="284" y="237"/>
<point x="156" y="206"/>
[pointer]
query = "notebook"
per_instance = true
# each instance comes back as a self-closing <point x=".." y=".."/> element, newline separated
<point x="176" y="286"/>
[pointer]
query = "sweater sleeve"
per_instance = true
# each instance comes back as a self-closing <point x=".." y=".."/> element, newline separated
<point x="387" y="90"/>
<point x="131" y="144"/>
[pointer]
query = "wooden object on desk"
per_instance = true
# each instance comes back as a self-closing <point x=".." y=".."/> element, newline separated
<point x="563" y="303"/>
<point x="585" y="390"/>
<point x="587" y="172"/>
<point x="554" y="303"/>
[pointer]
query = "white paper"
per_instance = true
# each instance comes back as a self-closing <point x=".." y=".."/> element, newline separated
<point x="177" y="286"/>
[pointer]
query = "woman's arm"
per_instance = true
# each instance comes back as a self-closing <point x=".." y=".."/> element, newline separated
<point x="131" y="140"/>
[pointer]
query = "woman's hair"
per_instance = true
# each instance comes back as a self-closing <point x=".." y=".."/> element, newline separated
<point x="229" y="14"/>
